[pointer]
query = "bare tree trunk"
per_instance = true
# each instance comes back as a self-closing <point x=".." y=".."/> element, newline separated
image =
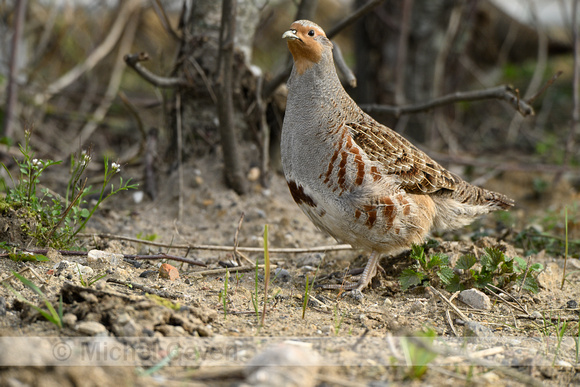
<point x="214" y="58"/>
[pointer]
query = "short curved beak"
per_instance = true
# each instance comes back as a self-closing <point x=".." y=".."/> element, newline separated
<point x="290" y="35"/>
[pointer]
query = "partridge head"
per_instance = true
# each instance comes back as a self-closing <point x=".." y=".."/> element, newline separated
<point x="356" y="179"/>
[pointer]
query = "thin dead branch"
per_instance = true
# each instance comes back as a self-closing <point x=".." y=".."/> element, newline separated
<point x="150" y="156"/>
<point x="12" y="91"/>
<point x="353" y="17"/>
<point x="402" y="47"/>
<point x="127" y="9"/>
<point x="113" y="86"/>
<point x="306" y="9"/>
<point x="146" y="289"/>
<point x="133" y="110"/>
<point x="541" y="64"/>
<point x="233" y="163"/>
<point x="503" y="92"/>
<point x="342" y="66"/>
<point x="179" y="130"/>
<point x="221" y="248"/>
<point x="571" y="140"/>
<point x="236" y="254"/>
<point x="127" y="256"/>
<point x="133" y="61"/>
<point x="162" y="15"/>
<point x="264" y="132"/>
<point x="239" y="269"/>
<point x="444" y="299"/>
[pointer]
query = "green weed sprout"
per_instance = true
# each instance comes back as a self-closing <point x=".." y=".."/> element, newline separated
<point x="50" y="314"/>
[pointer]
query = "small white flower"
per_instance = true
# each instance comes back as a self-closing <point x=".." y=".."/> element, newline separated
<point x="116" y="167"/>
<point x="36" y="162"/>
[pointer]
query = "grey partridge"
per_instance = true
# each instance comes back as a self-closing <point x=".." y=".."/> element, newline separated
<point x="356" y="179"/>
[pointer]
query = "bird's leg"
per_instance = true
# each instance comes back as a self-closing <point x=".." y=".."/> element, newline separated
<point x="367" y="275"/>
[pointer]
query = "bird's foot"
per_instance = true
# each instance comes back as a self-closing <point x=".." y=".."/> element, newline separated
<point x="365" y="279"/>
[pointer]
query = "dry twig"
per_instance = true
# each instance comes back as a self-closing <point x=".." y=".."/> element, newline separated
<point x="133" y="61"/>
<point x="228" y="139"/>
<point x="503" y="92"/>
<point x="97" y="55"/>
<point x="12" y="90"/>
<point x="222" y="248"/>
<point x="455" y="309"/>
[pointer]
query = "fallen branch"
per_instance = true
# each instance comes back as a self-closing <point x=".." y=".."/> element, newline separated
<point x="222" y="248"/>
<point x="503" y="92"/>
<point x="146" y="289"/>
<point x="455" y="309"/>
<point x="127" y="256"/>
<point x="239" y="269"/>
<point x="133" y="61"/>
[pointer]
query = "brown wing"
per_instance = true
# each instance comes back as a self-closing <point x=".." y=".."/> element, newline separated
<point x="418" y="172"/>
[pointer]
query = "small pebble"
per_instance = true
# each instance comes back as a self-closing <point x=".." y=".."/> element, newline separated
<point x="571" y="304"/>
<point x="148" y="273"/>
<point x="476" y="299"/>
<point x="91" y="328"/>
<point x="169" y="272"/>
<point x="536" y="314"/>
<point x="69" y="320"/>
<point x="282" y="275"/>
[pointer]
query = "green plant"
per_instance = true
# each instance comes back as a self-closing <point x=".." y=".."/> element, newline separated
<point x="426" y="268"/>
<point x="91" y="280"/>
<point x="494" y="268"/>
<point x="417" y="353"/>
<point x="254" y="297"/>
<point x="224" y="295"/>
<point x="306" y="297"/>
<point x="50" y="314"/>
<point x="337" y="320"/>
<point x="57" y="220"/>
<point x="266" y="272"/>
<point x="560" y="329"/>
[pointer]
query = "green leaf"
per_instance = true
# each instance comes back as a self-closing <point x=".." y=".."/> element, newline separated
<point x="418" y="253"/>
<point x="41" y="258"/>
<point x="466" y="262"/>
<point x="410" y="277"/>
<point x="437" y="260"/>
<point x="520" y="265"/>
<point x="496" y="256"/>
<point x="84" y="212"/>
<point x="446" y="274"/>
<point x="530" y="284"/>
<point x="536" y="267"/>
<point x="454" y="284"/>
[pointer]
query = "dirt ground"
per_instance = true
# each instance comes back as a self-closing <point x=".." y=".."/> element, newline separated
<point x="134" y="327"/>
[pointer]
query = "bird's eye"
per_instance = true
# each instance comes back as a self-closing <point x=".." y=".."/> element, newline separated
<point x="311" y="33"/>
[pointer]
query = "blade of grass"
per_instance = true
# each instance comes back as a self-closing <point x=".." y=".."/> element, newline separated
<point x="306" y="297"/>
<point x="52" y="315"/>
<point x="267" y="272"/>
<point x="566" y="247"/>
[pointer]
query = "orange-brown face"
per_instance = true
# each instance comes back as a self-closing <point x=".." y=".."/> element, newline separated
<point x="305" y="44"/>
